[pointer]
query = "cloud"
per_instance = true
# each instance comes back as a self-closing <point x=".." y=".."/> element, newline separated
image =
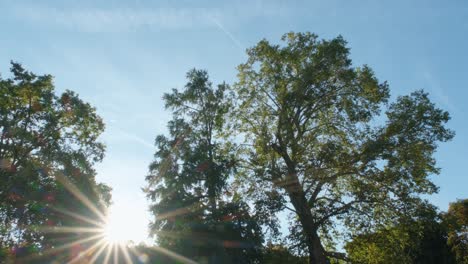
<point x="115" y="133"/>
<point x="117" y="19"/>
<point x="125" y="20"/>
<point x="228" y="33"/>
<point x="96" y="20"/>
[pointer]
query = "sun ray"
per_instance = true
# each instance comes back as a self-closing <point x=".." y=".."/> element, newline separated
<point x="61" y="248"/>
<point x="71" y="244"/>
<point x="177" y="212"/>
<point x="68" y="229"/>
<point x="137" y="253"/>
<point x="115" y="252"/>
<point x="76" y="216"/>
<point x="84" y="253"/>
<point x="78" y="194"/>
<point x="108" y="253"/>
<point x="173" y="255"/>
<point x="203" y="237"/>
<point x="99" y="252"/>
<point x="195" y="236"/>
<point x="127" y="257"/>
<point x="84" y="246"/>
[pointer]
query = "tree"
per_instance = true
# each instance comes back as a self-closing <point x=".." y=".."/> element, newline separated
<point x="47" y="144"/>
<point x="315" y="134"/>
<point x="421" y="238"/>
<point x="278" y="254"/>
<point x="457" y="221"/>
<point x="196" y="212"/>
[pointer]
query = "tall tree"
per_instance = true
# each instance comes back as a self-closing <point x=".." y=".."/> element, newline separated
<point x="196" y="212"/>
<point x="48" y="143"/>
<point x="318" y="137"/>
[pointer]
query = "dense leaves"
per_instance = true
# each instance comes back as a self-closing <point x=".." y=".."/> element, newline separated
<point x="278" y="254"/>
<point x="48" y="142"/>
<point x="316" y="133"/>
<point x="302" y="131"/>
<point x="421" y="238"/>
<point x="197" y="214"/>
<point x="457" y="221"/>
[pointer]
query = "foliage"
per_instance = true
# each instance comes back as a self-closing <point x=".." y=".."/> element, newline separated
<point x="46" y="141"/>
<point x="278" y="254"/>
<point x="196" y="212"/>
<point x="457" y="221"/>
<point x="302" y="130"/>
<point x="316" y="135"/>
<point x="418" y="239"/>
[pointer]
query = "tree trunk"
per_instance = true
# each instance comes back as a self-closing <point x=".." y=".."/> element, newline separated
<point x="291" y="184"/>
<point x="317" y="254"/>
<point x="316" y="250"/>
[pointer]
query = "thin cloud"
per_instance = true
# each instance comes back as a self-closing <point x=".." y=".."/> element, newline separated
<point x="115" y="133"/>
<point x="133" y="19"/>
<point x="228" y="33"/>
<point x="119" y="19"/>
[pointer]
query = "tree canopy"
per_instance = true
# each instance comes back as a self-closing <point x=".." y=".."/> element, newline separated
<point x="48" y="145"/>
<point x="419" y="238"/>
<point x="197" y="213"/>
<point x="457" y="222"/>
<point x="302" y="131"/>
<point x="323" y="134"/>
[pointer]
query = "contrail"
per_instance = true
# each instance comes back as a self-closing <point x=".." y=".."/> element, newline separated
<point x="229" y="34"/>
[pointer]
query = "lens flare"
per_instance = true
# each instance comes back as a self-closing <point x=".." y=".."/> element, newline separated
<point x="116" y="231"/>
<point x="104" y="241"/>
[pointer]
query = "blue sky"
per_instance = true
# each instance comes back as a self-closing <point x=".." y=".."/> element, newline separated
<point x="123" y="55"/>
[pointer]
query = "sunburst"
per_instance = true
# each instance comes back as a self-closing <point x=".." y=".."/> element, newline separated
<point x="106" y="242"/>
<point x="117" y="230"/>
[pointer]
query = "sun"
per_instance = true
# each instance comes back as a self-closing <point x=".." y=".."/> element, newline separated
<point x="119" y="228"/>
<point x="108" y="238"/>
<point x="115" y="232"/>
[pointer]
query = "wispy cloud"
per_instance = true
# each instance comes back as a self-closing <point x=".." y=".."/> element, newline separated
<point x="228" y="33"/>
<point x="131" y="19"/>
<point x="118" y="19"/>
<point x="132" y="137"/>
